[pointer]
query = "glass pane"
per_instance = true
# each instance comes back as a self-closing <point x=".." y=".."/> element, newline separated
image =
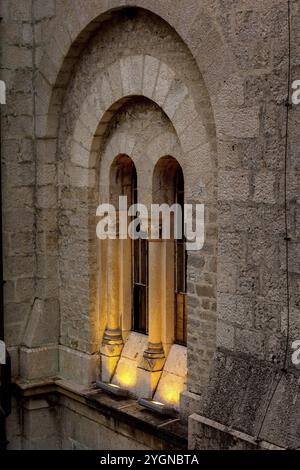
<point x="144" y="259"/>
<point x="136" y="256"/>
<point x="140" y="277"/>
<point x="140" y="309"/>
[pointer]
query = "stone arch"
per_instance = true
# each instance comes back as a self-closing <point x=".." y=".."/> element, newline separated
<point x="140" y="76"/>
<point x="144" y="160"/>
<point x="144" y="76"/>
<point x="82" y="132"/>
<point x="203" y="38"/>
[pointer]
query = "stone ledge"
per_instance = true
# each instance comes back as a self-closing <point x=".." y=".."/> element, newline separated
<point x="38" y="362"/>
<point x="206" y="434"/>
<point x="173" y="433"/>
<point x="189" y="403"/>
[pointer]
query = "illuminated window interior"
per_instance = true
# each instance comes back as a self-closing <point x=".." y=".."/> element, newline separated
<point x="140" y="277"/>
<point x="168" y="185"/>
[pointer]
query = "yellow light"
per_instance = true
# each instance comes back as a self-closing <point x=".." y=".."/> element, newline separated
<point x="157" y="403"/>
<point x="126" y="375"/>
<point x="127" y="379"/>
<point x="169" y="390"/>
<point x="171" y="395"/>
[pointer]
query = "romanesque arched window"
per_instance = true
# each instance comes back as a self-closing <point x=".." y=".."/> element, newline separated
<point x="133" y="254"/>
<point x="119" y="255"/>
<point x="168" y="188"/>
<point x="122" y="178"/>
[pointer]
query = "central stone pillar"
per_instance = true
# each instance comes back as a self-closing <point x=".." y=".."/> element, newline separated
<point x="151" y="366"/>
<point x="113" y="334"/>
<point x="154" y="352"/>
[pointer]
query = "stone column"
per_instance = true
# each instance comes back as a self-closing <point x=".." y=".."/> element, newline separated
<point x="113" y="334"/>
<point x="151" y="365"/>
<point x="126" y="288"/>
<point x="168" y="296"/>
<point x="112" y="339"/>
<point x="155" y="350"/>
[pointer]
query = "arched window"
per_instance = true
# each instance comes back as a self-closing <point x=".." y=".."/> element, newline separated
<point x="120" y="253"/>
<point x="122" y="177"/>
<point x="168" y="188"/>
<point x="133" y="253"/>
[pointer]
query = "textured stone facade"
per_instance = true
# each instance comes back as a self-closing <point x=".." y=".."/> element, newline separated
<point x="216" y="73"/>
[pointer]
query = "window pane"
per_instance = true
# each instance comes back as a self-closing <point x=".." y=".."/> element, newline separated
<point x="140" y="278"/>
<point x="140" y="309"/>
<point x="144" y="259"/>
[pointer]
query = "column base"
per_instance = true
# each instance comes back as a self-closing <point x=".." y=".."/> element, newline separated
<point x="111" y="348"/>
<point x="149" y="370"/>
<point x="108" y="367"/>
<point x="153" y="358"/>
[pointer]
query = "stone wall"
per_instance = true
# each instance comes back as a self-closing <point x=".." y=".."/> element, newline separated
<point x="232" y="57"/>
<point x="55" y="415"/>
<point x="31" y="312"/>
<point x="18" y="166"/>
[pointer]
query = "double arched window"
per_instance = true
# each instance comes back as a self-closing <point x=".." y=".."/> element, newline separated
<point x="168" y="189"/>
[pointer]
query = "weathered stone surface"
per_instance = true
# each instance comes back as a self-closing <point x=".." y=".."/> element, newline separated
<point x="173" y="379"/>
<point x="219" y="74"/>
<point x="126" y="373"/>
<point x="264" y="188"/>
<point x="77" y="366"/>
<point x="40" y="362"/>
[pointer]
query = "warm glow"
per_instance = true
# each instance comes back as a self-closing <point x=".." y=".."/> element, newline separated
<point x="109" y="365"/>
<point x="126" y="374"/>
<point x="169" y="390"/>
<point x="127" y="379"/>
<point x="171" y="396"/>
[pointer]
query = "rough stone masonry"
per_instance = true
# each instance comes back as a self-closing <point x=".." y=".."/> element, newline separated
<point x="207" y="80"/>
